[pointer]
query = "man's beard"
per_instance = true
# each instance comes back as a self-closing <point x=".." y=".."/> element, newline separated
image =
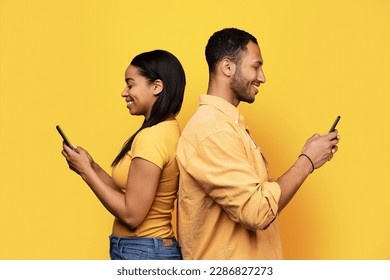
<point x="239" y="87"/>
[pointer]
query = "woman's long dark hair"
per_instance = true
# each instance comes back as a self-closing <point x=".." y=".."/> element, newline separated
<point x="162" y="65"/>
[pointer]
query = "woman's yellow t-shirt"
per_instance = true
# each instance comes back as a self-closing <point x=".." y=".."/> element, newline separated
<point x="156" y="144"/>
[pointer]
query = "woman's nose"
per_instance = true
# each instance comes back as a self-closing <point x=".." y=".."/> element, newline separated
<point x="124" y="92"/>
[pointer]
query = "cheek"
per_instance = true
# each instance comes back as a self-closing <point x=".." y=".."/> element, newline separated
<point x="247" y="77"/>
<point x="253" y="76"/>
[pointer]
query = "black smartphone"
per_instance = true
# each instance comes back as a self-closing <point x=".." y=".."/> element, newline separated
<point x="66" y="141"/>
<point x="333" y="127"/>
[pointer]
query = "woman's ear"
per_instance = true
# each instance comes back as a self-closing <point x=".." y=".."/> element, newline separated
<point x="158" y="87"/>
<point x="228" y="68"/>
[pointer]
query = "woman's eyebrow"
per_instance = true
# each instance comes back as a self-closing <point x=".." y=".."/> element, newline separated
<point x="127" y="79"/>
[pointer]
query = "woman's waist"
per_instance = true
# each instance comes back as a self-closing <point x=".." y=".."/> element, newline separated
<point x="143" y="241"/>
<point x="148" y="229"/>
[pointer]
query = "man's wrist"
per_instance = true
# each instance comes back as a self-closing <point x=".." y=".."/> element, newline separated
<point x="308" y="159"/>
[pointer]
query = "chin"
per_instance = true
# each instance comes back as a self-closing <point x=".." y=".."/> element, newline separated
<point x="248" y="99"/>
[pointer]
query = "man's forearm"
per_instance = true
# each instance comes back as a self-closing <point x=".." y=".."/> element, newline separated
<point x="291" y="181"/>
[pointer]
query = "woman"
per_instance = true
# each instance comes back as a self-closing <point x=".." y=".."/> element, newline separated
<point x="143" y="187"/>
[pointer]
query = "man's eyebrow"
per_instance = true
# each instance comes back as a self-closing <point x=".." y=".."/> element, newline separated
<point x="260" y="62"/>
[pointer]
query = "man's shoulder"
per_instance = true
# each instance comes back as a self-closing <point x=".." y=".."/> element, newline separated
<point x="206" y="117"/>
<point x="205" y="122"/>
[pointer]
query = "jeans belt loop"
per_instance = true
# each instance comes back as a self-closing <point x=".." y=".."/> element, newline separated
<point x="156" y="246"/>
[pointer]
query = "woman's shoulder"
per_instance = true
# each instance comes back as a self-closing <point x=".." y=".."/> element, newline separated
<point x="158" y="141"/>
<point x="160" y="132"/>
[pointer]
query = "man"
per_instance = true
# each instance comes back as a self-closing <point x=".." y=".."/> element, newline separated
<point x="227" y="204"/>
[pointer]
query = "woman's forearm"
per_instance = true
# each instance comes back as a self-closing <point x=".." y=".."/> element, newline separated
<point x="104" y="176"/>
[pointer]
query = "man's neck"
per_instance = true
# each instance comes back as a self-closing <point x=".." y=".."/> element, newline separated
<point x="222" y="90"/>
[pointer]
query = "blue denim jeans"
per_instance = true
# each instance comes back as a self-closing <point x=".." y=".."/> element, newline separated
<point x="123" y="248"/>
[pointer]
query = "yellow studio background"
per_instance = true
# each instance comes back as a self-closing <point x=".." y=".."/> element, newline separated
<point x="64" y="62"/>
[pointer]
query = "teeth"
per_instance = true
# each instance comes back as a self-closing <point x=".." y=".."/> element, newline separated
<point x="129" y="103"/>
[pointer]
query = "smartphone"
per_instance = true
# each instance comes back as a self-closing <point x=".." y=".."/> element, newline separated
<point x="333" y="127"/>
<point x="66" y="141"/>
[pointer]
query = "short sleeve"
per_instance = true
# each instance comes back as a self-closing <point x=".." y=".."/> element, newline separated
<point x="149" y="146"/>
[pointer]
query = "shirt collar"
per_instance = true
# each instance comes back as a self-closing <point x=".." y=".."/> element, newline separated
<point x="224" y="106"/>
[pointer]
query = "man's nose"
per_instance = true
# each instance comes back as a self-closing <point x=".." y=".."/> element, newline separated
<point x="261" y="76"/>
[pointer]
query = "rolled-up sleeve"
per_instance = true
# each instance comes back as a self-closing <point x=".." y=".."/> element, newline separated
<point x="221" y="167"/>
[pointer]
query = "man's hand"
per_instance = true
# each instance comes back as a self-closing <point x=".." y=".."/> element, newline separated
<point x="321" y="149"/>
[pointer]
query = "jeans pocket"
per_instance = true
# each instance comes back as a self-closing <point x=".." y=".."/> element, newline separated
<point x="129" y="253"/>
<point x="169" y="253"/>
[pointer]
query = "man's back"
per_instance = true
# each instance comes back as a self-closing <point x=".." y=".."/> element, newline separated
<point x="227" y="206"/>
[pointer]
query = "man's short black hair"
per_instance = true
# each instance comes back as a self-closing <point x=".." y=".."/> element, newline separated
<point x="227" y="43"/>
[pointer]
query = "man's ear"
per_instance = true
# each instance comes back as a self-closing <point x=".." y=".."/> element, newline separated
<point x="158" y="87"/>
<point x="228" y="67"/>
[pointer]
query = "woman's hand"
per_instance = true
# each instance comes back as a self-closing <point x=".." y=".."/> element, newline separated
<point x="79" y="160"/>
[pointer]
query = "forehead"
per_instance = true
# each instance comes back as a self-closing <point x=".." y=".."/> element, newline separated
<point x="252" y="55"/>
<point x="131" y="72"/>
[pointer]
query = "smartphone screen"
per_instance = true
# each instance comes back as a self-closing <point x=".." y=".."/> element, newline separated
<point x="66" y="141"/>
